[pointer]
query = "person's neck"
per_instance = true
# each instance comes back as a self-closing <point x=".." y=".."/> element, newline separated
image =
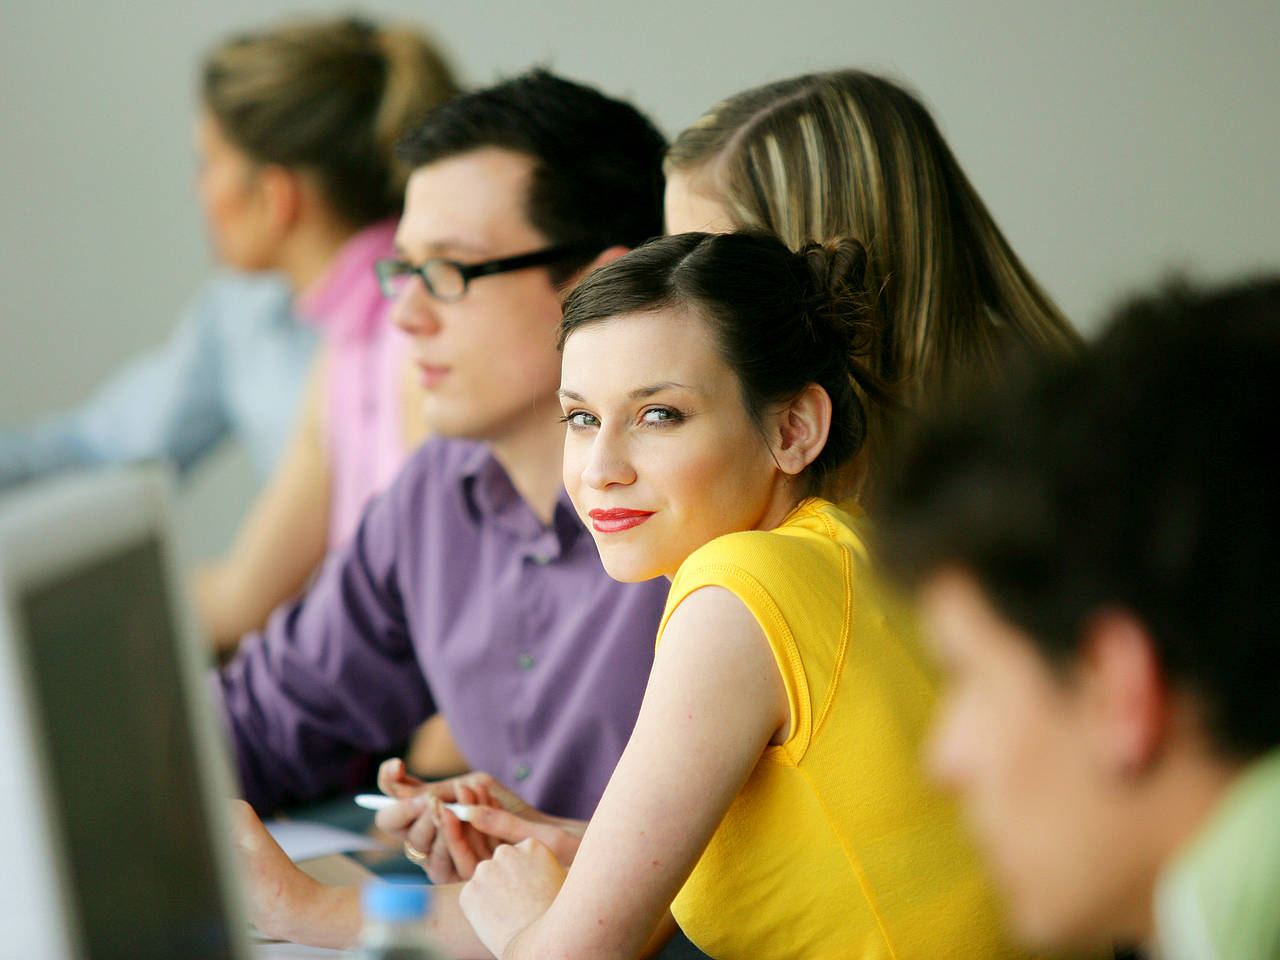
<point x="532" y="453"/>
<point x="783" y="498"/>
<point x="1191" y="789"/>
<point x="309" y="252"/>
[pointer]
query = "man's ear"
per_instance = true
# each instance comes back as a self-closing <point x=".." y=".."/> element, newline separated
<point x="1126" y="691"/>
<point x="801" y="428"/>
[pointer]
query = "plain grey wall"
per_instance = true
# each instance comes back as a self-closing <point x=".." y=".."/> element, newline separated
<point x="1112" y="141"/>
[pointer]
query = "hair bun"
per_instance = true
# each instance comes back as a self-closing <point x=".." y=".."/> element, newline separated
<point x="835" y="267"/>
<point x="416" y="78"/>
<point x="837" y="306"/>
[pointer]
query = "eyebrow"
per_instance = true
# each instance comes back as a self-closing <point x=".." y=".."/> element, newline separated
<point x="637" y="394"/>
<point x="641" y="392"/>
<point x="439" y="248"/>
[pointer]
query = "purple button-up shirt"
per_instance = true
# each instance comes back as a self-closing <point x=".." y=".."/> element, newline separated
<point x="450" y="596"/>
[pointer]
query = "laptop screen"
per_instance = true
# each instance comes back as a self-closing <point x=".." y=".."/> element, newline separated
<point x="133" y="817"/>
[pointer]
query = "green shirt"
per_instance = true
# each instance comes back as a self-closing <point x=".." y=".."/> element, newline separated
<point x="1220" y="897"/>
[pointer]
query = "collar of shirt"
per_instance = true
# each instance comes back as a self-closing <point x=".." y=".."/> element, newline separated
<point x="1217" y="897"/>
<point x="491" y="497"/>
<point x="328" y="304"/>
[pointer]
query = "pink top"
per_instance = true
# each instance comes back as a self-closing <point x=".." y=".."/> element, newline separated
<point x="364" y="430"/>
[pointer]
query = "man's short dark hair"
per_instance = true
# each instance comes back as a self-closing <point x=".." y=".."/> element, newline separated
<point x="597" y="177"/>
<point x="1138" y="477"/>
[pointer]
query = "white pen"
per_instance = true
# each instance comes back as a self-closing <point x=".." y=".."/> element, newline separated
<point x="460" y="810"/>
<point x="379" y="801"/>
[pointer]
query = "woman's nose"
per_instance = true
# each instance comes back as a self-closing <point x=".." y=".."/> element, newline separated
<point x="609" y="463"/>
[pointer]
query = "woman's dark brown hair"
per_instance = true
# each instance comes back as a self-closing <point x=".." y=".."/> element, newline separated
<point x="781" y="321"/>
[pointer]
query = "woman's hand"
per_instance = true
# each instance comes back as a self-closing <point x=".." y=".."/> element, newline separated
<point x="559" y="835"/>
<point x="510" y="891"/>
<point x="285" y="903"/>
<point x="443" y="845"/>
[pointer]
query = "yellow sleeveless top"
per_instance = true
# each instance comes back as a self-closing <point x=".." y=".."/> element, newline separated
<point x="836" y="847"/>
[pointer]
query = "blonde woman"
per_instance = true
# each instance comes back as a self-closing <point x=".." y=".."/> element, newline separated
<point x="849" y="153"/>
<point x="298" y="175"/>
<point x="295" y="134"/>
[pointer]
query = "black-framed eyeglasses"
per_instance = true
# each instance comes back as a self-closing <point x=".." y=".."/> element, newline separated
<point x="448" y="279"/>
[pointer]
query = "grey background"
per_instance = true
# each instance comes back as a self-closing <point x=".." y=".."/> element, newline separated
<point x="1113" y="141"/>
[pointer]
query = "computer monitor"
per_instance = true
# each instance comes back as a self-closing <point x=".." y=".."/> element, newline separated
<point x="114" y="833"/>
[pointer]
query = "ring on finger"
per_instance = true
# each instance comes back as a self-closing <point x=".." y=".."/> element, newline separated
<point x="413" y="853"/>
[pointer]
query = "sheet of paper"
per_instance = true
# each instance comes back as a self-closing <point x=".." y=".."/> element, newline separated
<point x="303" y="840"/>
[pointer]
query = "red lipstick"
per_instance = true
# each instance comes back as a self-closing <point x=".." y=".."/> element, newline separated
<point x="618" y="519"/>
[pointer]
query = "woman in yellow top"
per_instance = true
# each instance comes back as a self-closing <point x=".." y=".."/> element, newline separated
<point x="817" y="156"/>
<point x="770" y="795"/>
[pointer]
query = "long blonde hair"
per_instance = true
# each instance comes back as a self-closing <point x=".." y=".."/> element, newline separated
<point x="329" y="96"/>
<point x="851" y="154"/>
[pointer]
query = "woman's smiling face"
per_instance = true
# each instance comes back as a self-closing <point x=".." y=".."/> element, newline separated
<point x="661" y="454"/>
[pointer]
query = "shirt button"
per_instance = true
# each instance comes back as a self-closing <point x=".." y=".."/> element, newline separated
<point x="525" y="661"/>
<point x="522" y="771"/>
<point x="541" y="559"/>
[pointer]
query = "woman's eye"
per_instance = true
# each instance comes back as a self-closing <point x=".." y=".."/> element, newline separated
<point x="580" y="419"/>
<point x="660" y="415"/>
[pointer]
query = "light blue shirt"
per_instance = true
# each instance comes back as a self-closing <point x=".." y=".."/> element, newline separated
<point x="235" y="365"/>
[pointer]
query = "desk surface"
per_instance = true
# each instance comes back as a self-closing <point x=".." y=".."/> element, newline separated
<point x="290" y="951"/>
<point x="345" y="871"/>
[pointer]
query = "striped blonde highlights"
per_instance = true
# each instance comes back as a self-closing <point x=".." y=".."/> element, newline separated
<point x="329" y="96"/>
<point x="852" y="154"/>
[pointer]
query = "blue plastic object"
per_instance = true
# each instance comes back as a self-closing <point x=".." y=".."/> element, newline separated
<point x="394" y="902"/>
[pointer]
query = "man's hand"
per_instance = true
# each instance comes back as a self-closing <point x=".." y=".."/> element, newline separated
<point x="510" y="891"/>
<point x="285" y="903"/>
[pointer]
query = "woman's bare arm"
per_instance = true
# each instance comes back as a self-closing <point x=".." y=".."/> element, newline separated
<point x="715" y="700"/>
<point x="280" y="542"/>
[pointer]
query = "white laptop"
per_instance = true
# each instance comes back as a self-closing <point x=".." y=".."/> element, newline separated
<point x="114" y="835"/>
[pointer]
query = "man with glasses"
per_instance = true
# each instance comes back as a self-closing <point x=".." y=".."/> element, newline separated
<point x="471" y="587"/>
<point x="447" y="279"/>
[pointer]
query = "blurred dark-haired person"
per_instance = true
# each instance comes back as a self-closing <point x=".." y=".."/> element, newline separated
<point x="1095" y="555"/>
<point x="470" y="588"/>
